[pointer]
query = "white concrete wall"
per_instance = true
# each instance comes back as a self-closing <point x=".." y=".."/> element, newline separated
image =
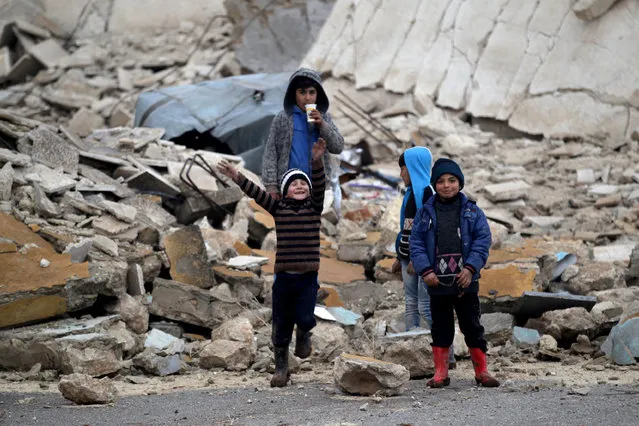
<point x="539" y="65"/>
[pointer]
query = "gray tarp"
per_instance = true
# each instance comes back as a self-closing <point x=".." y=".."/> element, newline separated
<point x="237" y="111"/>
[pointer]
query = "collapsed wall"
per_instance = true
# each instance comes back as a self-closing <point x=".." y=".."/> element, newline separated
<point x="545" y="67"/>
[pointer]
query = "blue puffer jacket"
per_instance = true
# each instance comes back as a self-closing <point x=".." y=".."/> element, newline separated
<point x="475" y="236"/>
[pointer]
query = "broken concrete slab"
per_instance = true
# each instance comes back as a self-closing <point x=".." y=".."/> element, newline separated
<point x="95" y="354"/>
<point x="359" y="250"/>
<point x="150" y="213"/>
<point x="29" y="292"/>
<point x="596" y="276"/>
<point x="246" y="262"/>
<point x="79" y="251"/>
<point x="613" y="253"/>
<point x="52" y="151"/>
<point x="43" y="206"/>
<point x="533" y="304"/>
<point x="108" y="225"/>
<point x="15" y="158"/>
<point x="84" y="121"/>
<point x="235" y="279"/>
<point x="187" y="254"/>
<point x="48" y="52"/>
<point x="148" y="180"/>
<point x="566" y="324"/>
<point x="183" y="302"/>
<point x="586" y="176"/>
<point x="120" y="211"/>
<point x="329" y="340"/>
<point x="85" y="390"/>
<point x="106" y="245"/>
<point x="508" y="191"/>
<point x="51" y="181"/>
<point x="367" y="376"/>
<point x="100" y="178"/>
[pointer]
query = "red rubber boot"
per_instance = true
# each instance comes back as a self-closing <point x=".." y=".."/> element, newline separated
<point x="482" y="377"/>
<point x="440" y="379"/>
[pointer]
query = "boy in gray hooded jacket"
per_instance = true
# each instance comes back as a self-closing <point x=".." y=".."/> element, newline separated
<point x="291" y="137"/>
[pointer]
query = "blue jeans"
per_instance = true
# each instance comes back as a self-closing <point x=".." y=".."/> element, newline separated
<point x="418" y="304"/>
<point x="416" y="298"/>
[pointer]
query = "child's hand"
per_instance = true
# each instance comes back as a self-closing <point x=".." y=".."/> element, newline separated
<point x="316" y="116"/>
<point x="397" y="267"/>
<point x="464" y="278"/>
<point x="318" y="149"/>
<point x="227" y="169"/>
<point x="410" y="270"/>
<point x="431" y="280"/>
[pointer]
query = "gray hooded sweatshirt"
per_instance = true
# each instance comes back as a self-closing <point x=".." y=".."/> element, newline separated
<point x="278" y="145"/>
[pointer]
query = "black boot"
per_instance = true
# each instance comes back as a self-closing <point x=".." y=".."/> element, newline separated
<point x="281" y="375"/>
<point x="303" y="347"/>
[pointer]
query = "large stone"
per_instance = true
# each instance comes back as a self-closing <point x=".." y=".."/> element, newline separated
<point x="84" y="389"/>
<point x="622" y="344"/>
<point x="84" y="121"/>
<point x="228" y="354"/>
<point x="498" y="327"/>
<point x="157" y="365"/>
<point x="507" y="191"/>
<point x="359" y="250"/>
<point x="164" y="342"/>
<point x="110" y="226"/>
<point x="186" y="303"/>
<point x="187" y="254"/>
<point x="237" y="329"/>
<point x="134" y="313"/>
<point x="80" y="250"/>
<point x="109" y="277"/>
<point x="328" y="341"/>
<point x="525" y="337"/>
<point x="151" y="214"/>
<point x="594" y="276"/>
<point x="120" y="211"/>
<point x="95" y="354"/>
<point x="566" y="324"/>
<point x="414" y="353"/>
<point x="367" y="376"/>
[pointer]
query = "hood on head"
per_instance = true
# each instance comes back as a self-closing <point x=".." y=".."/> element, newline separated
<point x="419" y="161"/>
<point x="322" y="99"/>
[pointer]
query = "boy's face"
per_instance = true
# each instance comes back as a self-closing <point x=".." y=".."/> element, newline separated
<point x="298" y="190"/>
<point x="305" y="96"/>
<point x="447" y="186"/>
<point x="405" y="175"/>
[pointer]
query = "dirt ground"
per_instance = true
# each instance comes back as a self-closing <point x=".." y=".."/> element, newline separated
<point x="518" y="376"/>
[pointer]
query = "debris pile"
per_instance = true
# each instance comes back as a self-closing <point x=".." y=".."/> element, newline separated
<point x="118" y="259"/>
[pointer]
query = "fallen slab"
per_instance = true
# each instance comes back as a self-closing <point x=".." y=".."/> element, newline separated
<point x="29" y="292"/>
<point x="189" y="262"/>
<point x="533" y="304"/>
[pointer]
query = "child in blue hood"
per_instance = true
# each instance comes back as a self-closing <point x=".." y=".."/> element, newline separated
<point x="449" y="245"/>
<point x="415" y="164"/>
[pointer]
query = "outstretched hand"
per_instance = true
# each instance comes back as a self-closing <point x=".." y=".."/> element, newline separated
<point x="228" y="170"/>
<point x="318" y="149"/>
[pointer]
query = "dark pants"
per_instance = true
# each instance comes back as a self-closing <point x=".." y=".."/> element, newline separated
<point x="294" y="297"/>
<point x="468" y="314"/>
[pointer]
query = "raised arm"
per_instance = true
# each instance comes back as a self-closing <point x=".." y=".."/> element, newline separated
<point x="318" y="177"/>
<point x="262" y="197"/>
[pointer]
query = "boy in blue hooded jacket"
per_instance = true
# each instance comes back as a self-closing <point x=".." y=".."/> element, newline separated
<point x="449" y="245"/>
<point x="415" y="164"/>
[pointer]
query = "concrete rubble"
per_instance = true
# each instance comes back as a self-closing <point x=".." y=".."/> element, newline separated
<point x="186" y="288"/>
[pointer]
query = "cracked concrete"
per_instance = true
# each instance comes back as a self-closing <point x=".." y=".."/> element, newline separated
<point x="508" y="60"/>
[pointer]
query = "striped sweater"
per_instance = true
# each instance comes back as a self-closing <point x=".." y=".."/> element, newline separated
<point x="297" y="223"/>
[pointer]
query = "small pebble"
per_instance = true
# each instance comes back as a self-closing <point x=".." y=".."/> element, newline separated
<point x="44" y="263"/>
<point x="363" y="407"/>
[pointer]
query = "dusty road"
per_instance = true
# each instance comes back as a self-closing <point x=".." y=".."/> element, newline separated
<point x="520" y="402"/>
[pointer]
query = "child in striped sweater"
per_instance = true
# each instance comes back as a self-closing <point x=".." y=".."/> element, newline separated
<point x="297" y="225"/>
